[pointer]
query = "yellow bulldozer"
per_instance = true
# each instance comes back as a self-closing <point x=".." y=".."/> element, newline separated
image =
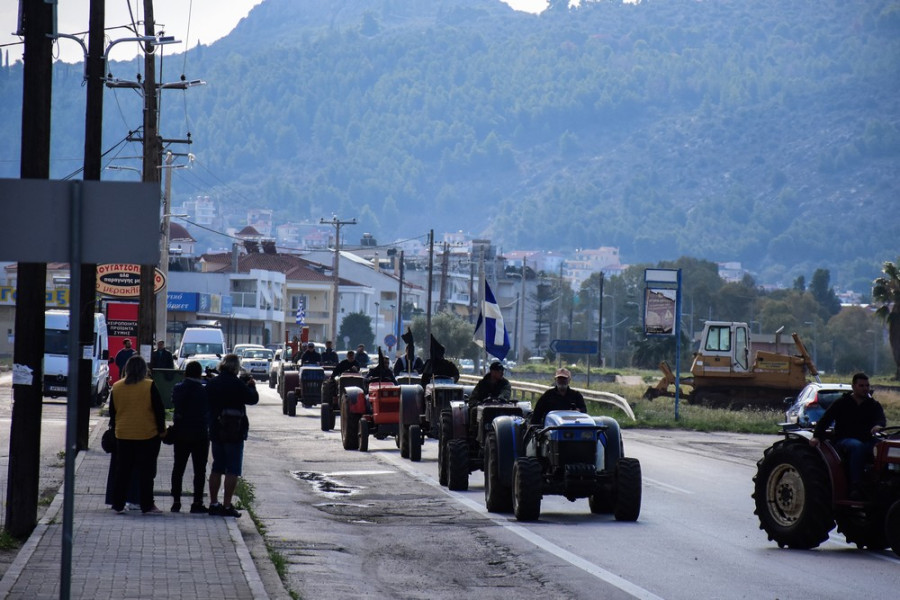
<point x="725" y="373"/>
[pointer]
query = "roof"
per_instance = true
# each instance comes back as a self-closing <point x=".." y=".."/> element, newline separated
<point x="178" y="232"/>
<point x="293" y="267"/>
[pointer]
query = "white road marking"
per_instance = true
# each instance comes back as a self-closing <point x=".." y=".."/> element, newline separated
<point x="666" y="486"/>
<point x="524" y="533"/>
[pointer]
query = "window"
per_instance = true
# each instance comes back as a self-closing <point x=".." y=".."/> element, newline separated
<point x="718" y="339"/>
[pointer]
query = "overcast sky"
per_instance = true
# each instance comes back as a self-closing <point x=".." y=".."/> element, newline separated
<point x="190" y="21"/>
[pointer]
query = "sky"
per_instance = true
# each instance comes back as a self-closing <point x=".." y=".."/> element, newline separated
<point x="190" y="21"/>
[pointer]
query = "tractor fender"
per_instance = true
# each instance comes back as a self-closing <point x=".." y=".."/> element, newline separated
<point x="291" y="381"/>
<point x="356" y="400"/>
<point x="459" y="412"/>
<point x="510" y="433"/>
<point x="611" y="439"/>
<point x="411" y="404"/>
<point x="840" y="486"/>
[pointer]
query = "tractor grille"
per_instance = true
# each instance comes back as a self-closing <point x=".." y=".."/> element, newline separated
<point x="569" y="453"/>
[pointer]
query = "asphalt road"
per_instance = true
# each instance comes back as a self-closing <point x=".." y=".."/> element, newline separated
<point x="372" y="524"/>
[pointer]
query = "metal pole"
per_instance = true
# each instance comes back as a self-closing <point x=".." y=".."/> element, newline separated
<point x="430" y="289"/>
<point x="677" y="343"/>
<point x="335" y="269"/>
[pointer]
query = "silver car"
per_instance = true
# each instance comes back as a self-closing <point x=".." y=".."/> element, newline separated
<point x="810" y="404"/>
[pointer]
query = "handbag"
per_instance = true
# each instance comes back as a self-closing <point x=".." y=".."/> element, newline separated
<point x="171" y="435"/>
<point x="231" y="425"/>
<point x="108" y="440"/>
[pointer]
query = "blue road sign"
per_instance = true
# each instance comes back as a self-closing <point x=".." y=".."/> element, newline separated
<point x="390" y="340"/>
<point x="574" y="346"/>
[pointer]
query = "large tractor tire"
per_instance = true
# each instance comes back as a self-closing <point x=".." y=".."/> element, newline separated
<point x="497" y="497"/>
<point x="292" y="404"/>
<point x="363" y="435"/>
<point x="892" y="527"/>
<point x="414" y="434"/>
<point x="526" y="492"/>
<point x="284" y="405"/>
<point x="792" y="491"/>
<point x="349" y="427"/>
<point x="443" y="453"/>
<point x="628" y="490"/>
<point x="327" y="417"/>
<point x="272" y="381"/>
<point x="458" y="465"/>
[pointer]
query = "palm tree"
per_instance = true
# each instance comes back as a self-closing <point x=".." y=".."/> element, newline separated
<point x="886" y="291"/>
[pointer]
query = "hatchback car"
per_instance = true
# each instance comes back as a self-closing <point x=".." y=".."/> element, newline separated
<point x="810" y="404"/>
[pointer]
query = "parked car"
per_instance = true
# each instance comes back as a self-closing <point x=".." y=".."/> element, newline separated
<point x="812" y="401"/>
<point x="239" y="348"/>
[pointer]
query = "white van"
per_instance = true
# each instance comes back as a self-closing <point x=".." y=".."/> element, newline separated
<point x="200" y="340"/>
<point x="56" y="357"/>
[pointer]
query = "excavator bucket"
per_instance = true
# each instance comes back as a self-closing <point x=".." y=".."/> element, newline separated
<point x="662" y="386"/>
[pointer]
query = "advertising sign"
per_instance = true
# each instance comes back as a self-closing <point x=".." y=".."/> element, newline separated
<point x="124" y="280"/>
<point x="659" y="311"/>
<point x="122" y="323"/>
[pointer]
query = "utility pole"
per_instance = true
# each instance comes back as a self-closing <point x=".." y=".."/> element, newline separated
<point x="28" y="347"/>
<point x="151" y="168"/>
<point x="521" y="337"/>
<point x="445" y="267"/>
<point x="399" y="323"/>
<point x="335" y="269"/>
<point x="93" y="150"/>
<point x="162" y="297"/>
<point x="600" y="324"/>
<point x="430" y="286"/>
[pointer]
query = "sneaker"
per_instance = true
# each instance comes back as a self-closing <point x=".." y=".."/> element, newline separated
<point x="230" y="511"/>
<point x="153" y="510"/>
<point x="176" y="507"/>
<point x="132" y="506"/>
<point x="197" y="508"/>
<point x="216" y="510"/>
<point x="119" y="511"/>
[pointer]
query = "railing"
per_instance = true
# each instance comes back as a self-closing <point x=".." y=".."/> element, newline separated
<point x="534" y="390"/>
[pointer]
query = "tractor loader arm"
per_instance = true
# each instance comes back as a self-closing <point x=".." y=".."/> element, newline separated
<point x="662" y="386"/>
<point x="806" y="358"/>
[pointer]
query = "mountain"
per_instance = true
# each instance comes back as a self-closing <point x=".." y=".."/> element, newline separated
<point x="763" y="132"/>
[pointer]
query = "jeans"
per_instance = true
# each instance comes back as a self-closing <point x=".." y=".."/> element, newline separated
<point x="857" y="453"/>
<point x="198" y="451"/>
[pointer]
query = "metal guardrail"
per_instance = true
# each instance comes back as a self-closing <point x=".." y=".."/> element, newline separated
<point x="522" y="388"/>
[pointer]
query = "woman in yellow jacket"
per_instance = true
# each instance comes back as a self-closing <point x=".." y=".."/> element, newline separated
<point x="136" y="412"/>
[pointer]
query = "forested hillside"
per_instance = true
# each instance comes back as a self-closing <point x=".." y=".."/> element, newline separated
<point x="764" y="132"/>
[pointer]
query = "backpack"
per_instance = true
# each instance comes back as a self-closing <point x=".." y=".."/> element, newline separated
<point x="231" y="425"/>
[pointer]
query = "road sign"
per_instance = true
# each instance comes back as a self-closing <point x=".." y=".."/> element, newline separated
<point x="390" y="340"/>
<point x="574" y="346"/>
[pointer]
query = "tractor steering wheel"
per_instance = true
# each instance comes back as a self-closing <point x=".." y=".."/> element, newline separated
<point x="888" y="433"/>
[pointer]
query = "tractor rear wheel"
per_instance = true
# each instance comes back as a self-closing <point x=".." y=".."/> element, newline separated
<point x="415" y="443"/>
<point x="292" y="404"/>
<point x="497" y="497"/>
<point x="865" y="528"/>
<point x="892" y="527"/>
<point x="628" y="490"/>
<point x="349" y="426"/>
<point x="526" y="492"/>
<point x="792" y="491"/>
<point x="363" y="435"/>
<point x="458" y="465"/>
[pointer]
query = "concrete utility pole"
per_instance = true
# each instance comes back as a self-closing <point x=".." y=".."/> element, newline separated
<point x="28" y="347"/>
<point x="521" y="336"/>
<point x="445" y="272"/>
<point x="430" y="286"/>
<point x="335" y="270"/>
<point x="161" y="298"/>
<point x="151" y="168"/>
<point x="93" y="166"/>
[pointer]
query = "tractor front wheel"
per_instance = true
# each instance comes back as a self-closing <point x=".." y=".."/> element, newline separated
<point x="526" y="490"/>
<point x="327" y="417"/>
<point x="443" y="441"/>
<point x="458" y="465"/>
<point x="628" y="490"/>
<point x="792" y="492"/>
<point x="892" y="527"/>
<point x="497" y="497"/>
<point x="292" y="404"/>
<point x="363" y="435"/>
<point x="349" y="426"/>
<point x="415" y="443"/>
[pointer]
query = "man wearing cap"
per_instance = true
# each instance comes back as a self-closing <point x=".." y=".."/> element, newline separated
<point x="310" y="357"/>
<point x="559" y="397"/>
<point x="492" y="385"/>
<point x="329" y="356"/>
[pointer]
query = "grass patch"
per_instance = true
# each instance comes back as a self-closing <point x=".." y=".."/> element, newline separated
<point x="246" y="496"/>
<point x="7" y="541"/>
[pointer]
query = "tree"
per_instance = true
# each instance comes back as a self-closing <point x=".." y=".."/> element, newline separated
<point x="886" y="292"/>
<point x="453" y="332"/>
<point x="821" y="289"/>
<point x="358" y="328"/>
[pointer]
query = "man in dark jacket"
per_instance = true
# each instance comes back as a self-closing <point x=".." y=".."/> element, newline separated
<point x="229" y="395"/>
<point x="857" y="417"/>
<point x="123" y="355"/>
<point x="382" y="371"/>
<point x="348" y="365"/>
<point x="191" y="427"/>
<point x="492" y="385"/>
<point x="362" y="358"/>
<point x="437" y="365"/>
<point x="310" y="357"/>
<point x="161" y="358"/>
<point x="329" y="356"/>
<point x="559" y="397"/>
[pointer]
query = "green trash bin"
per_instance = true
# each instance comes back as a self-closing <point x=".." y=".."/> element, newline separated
<point x="165" y="380"/>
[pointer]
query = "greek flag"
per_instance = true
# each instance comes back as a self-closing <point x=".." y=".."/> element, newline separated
<point x="490" y="333"/>
<point x="301" y="313"/>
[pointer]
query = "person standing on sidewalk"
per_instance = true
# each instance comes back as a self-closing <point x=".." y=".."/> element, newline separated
<point x="228" y="395"/>
<point x="137" y="412"/>
<point x="161" y="358"/>
<point x="191" y="426"/>
<point x="123" y="355"/>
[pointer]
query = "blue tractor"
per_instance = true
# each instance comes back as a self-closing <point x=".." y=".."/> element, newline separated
<point x="571" y="454"/>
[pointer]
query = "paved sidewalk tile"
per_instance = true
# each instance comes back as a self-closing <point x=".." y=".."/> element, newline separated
<point x="133" y="555"/>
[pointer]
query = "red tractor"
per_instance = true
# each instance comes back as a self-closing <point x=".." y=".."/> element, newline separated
<point x="333" y="391"/>
<point x="802" y="491"/>
<point x="374" y="412"/>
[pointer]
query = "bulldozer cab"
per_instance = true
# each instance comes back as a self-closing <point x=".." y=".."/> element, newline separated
<point x="724" y="346"/>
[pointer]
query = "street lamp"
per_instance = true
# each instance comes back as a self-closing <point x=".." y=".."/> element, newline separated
<point x="377" y="317"/>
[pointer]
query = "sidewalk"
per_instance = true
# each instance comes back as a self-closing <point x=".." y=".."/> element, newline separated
<point x="133" y="556"/>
